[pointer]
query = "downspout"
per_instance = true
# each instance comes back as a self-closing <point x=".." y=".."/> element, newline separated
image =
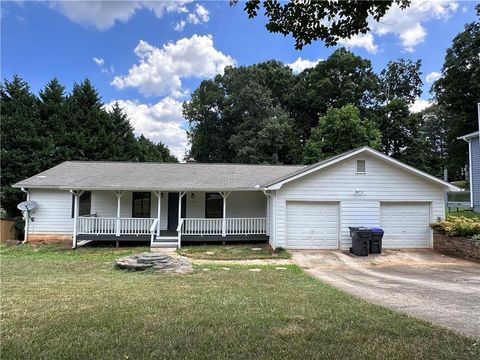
<point x="27" y="219"/>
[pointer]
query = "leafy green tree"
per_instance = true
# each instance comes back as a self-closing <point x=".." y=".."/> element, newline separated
<point x="22" y="146"/>
<point x="342" y="79"/>
<point x="340" y="130"/>
<point x="229" y="115"/>
<point x="329" y="21"/>
<point x="153" y="152"/>
<point x="434" y="128"/>
<point x="458" y="92"/>
<point x="401" y="79"/>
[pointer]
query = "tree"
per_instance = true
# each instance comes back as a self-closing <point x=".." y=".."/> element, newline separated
<point x="343" y="78"/>
<point x="338" y="131"/>
<point x="22" y="146"/>
<point x="124" y="145"/>
<point x="458" y="91"/>
<point x="434" y="127"/>
<point x="401" y="79"/>
<point x="231" y="115"/>
<point x="328" y="21"/>
<point x="153" y="152"/>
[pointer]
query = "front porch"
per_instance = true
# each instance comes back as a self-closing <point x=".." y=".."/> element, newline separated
<point x="173" y="221"/>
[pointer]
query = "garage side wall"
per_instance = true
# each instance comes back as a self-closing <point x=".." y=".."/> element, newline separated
<point x="359" y="195"/>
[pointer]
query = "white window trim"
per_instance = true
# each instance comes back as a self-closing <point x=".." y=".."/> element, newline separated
<point x="356" y="166"/>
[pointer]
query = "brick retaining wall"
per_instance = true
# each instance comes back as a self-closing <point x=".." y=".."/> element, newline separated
<point x="464" y="248"/>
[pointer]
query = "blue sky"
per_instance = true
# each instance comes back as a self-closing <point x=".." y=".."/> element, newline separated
<point x="150" y="55"/>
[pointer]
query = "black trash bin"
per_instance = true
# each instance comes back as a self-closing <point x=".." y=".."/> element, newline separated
<point x="360" y="240"/>
<point x="376" y="241"/>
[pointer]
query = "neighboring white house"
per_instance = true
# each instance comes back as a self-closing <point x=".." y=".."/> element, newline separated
<point x="473" y="140"/>
<point x="297" y="207"/>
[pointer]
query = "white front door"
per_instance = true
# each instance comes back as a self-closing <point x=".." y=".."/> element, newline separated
<point x="312" y="225"/>
<point x="405" y="225"/>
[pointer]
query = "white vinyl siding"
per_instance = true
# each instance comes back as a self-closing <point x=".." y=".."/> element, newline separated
<point x="406" y="225"/>
<point x="53" y="214"/>
<point x="55" y="207"/>
<point x="312" y="225"/>
<point x="359" y="196"/>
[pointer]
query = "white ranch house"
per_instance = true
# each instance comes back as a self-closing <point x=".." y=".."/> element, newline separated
<point x="298" y="207"/>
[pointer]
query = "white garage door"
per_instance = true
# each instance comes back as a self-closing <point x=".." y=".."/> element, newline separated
<point x="406" y="225"/>
<point x="312" y="225"/>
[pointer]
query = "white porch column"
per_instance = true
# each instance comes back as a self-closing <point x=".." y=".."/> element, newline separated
<point x="180" y="196"/>
<point x="76" y="203"/>
<point x="158" y="194"/>
<point x="119" y="197"/>
<point x="224" y="221"/>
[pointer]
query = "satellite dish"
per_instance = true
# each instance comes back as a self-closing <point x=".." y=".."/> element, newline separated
<point x="27" y="205"/>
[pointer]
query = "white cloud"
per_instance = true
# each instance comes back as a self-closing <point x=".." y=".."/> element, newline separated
<point x="180" y="25"/>
<point x="433" y="76"/>
<point x="365" y="41"/>
<point x="200" y="15"/>
<point x="104" y="69"/>
<point x="420" y="105"/>
<point x="162" y="121"/>
<point x="104" y="14"/>
<point x="407" y="24"/>
<point x="160" y="70"/>
<point x="301" y="64"/>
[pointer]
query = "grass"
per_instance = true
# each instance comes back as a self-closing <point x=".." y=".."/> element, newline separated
<point x="233" y="252"/>
<point x="466" y="213"/>
<point x="63" y="304"/>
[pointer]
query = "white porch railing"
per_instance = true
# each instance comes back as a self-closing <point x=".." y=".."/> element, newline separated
<point x="114" y="226"/>
<point x="233" y="226"/>
<point x="246" y="226"/>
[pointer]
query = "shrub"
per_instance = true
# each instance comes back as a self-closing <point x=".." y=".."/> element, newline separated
<point x="476" y="237"/>
<point x="458" y="226"/>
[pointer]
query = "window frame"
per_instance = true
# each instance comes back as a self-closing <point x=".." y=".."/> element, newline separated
<point x="364" y="166"/>
<point x="148" y="196"/>
<point x="209" y="215"/>
<point x="84" y="198"/>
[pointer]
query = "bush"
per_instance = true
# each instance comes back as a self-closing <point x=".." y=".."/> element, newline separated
<point x="476" y="237"/>
<point x="458" y="226"/>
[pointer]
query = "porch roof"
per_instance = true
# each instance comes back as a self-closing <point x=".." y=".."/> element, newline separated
<point x="92" y="175"/>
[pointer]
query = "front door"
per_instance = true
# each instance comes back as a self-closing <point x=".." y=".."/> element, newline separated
<point x="173" y="210"/>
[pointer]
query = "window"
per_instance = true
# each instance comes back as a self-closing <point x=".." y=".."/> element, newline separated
<point x="360" y="166"/>
<point x="141" y="204"/>
<point x="213" y="205"/>
<point x="85" y="205"/>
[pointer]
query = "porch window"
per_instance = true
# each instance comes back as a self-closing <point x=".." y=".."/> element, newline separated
<point x="141" y="204"/>
<point x="85" y="204"/>
<point x="213" y="205"/>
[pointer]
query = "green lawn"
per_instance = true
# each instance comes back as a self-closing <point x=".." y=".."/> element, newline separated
<point x="468" y="214"/>
<point x="233" y="252"/>
<point x="63" y="304"/>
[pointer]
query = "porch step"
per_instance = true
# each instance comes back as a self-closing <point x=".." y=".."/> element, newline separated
<point x="164" y="245"/>
<point x="166" y="239"/>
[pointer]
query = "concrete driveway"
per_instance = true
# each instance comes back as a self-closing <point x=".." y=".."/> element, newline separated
<point x="422" y="283"/>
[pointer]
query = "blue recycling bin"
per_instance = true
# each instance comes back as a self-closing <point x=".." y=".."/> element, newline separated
<point x="375" y="245"/>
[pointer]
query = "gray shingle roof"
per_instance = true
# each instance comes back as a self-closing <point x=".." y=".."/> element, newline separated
<point x="90" y="175"/>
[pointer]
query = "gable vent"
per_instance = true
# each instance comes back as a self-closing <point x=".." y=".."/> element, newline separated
<point x="361" y="166"/>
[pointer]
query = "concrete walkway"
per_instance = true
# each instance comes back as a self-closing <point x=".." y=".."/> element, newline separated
<point x="422" y="283"/>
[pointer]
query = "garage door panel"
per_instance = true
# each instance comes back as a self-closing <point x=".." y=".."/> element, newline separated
<point x="406" y="225"/>
<point x="312" y="225"/>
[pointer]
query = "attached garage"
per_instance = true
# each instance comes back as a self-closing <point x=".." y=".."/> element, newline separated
<point x="312" y="225"/>
<point x="406" y="225"/>
<point x="314" y="207"/>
